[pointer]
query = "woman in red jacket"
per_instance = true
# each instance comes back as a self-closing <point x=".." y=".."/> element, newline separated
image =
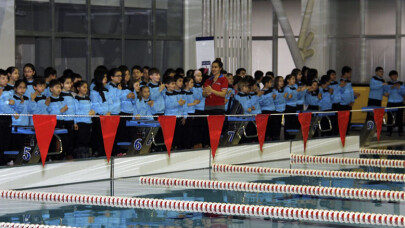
<point x="215" y="89"/>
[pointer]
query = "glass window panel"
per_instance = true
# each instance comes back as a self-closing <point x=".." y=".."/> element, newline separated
<point x="106" y="19"/>
<point x="380" y="52"/>
<point x="71" y="16"/>
<point x="169" y="54"/>
<point x="33" y="15"/>
<point x="345" y="17"/>
<point x="293" y="11"/>
<point x="105" y="52"/>
<point x="346" y="52"/>
<point x="138" y="52"/>
<point x="33" y="50"/>
<point x="71" y="54"/>
<point x="262" y="18"/>
<point x="169" y="17"/>
<point x="262" y="55"/>
<point x="285" y="60"/>
<point x="138" y="17"/>
<point x="380" y="16"/>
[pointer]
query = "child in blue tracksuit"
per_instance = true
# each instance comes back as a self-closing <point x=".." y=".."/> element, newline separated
<point x="39" y="102"/>
<point x="144" y="105"/>
<point x="29" y="75"/>
<point x="6" y="104"/>
<point x="100" y="103"/>
<point x="157" y="91"/>
<point x="290" y="121"/>
<point x="181" y="122"/>
<point x="301" y="88"/>
<point x="82" y="124"/>
<point x="267" y="104"/>
<point x="191" y="103"/>
<point x="200" y="138"/>
<point x="377" y="84"/>
<point x="325" y="104"/>
<point x="334" y="85"/>
<point x="230" y="93"/>
<point x="313" y="96"/>
<point x="395" y="90"/>
<point x="243" y="97"/>
<point x="68" y="122"/>
<point x="279" y="97"/>
<point x="255" y="97"/>
<point x="49" y="75"/>
<point x="21" y="104"/>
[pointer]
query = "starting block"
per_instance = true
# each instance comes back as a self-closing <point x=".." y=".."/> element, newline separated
<point x="144" y="132"/>
<point x="235" y="129"/>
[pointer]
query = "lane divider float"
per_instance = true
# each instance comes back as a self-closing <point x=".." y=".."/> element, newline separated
<point x="21" y="225"/>
<point x="309" y="159"/>
<point x="346" y="193"/>
<point x="393" y="177"/>
<point x="369" y="151"/>
<point x="213" y="208"/>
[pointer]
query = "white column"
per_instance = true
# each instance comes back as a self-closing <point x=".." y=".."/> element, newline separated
<point x="7" y="34"/>
<point x="193" y="27"/>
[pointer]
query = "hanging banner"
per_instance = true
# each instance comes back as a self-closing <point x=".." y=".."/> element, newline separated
<point x="215" y="124"/>
<point x="109" y="126"/>
<point x="205" y="51"/>
<point x="378" y="119"/>
<point x="343" y="122"/>
<point x="305" y="121"/>
<point x="168" y="125"/>
<point x="44" y="126"/>
<point x="261" y="125"/>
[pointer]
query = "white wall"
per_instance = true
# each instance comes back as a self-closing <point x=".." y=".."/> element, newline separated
<point x="7" y="34"/>
<point x="192" y="29"/>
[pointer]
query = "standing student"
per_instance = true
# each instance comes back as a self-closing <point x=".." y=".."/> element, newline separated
<point x="313" y="96"/>
<point x="254" y="93"/>
<point x="191" y="103"/>
<point x="346" y="92"/>
<point x="301" y="87"/>
<point x="39" y="102"/>
<point x="290" y="121"/>
<point x="157" y="90"/>
<point x="13" y="75"/>
<point x="181" y="121"/>
<point x="279" y="97"/>
<point x="21" y="104"/>
<point x="241" y="72"/>
<point x="267" y="104"/>
<point x="57" y="105"/>
<point x="100" y="100"/>
<point x="29" y="75"/>
<point x="82" y="125"/>
<point x="395" y="91"/>
<point x="137" y="74"/>
<point x="144" y="105"/>
<point x="145" y="71"/>
<point x="127" y="96"/>
<point x="6" y="104"/>
<point x="243" y="96"/>
<point x="49" y="75"/>
<point x="200" y="137"/>
<point x="230" y="93"/>
<point x="115" y="90"/>
<point x="334" y="85"/>
<point x="258" y="78"/>
<point x="325" y="103"/>
<point x="377" y="84"/>
<point x="68" y="121"/>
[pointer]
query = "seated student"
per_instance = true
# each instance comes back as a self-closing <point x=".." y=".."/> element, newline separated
<point x="290" y="121"/>
<point x="145" y="107"/>
<point x="395" y="91"/>
<point x="13" y="75"/>
<point x="21" y="104"/>
<point x="6" y="104"/>
<point x="313" y="97"/>
<point x="100" y="103"/>
<point x="243" y="96"/>
<point x="49" y="75"/>
<point x="157" y="91"/>
<point x="68" y="121"/>
<point x="39" y="103"/>
<point x="279" y="97"/>
<point x="82" y="124"/>
<point x="29" y="75"/>
<point x="377" y="84"/>
<point x="325" y="104"/>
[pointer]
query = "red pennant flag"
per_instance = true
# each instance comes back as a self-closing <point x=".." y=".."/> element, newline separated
<point x="109" y="125"/>
<point x="168" y="125"/>
<point x="378" y="119"/>
<point x="343" y="121"/>
<point x="44" y="126"/>
<point x="261" y="125"/>
<point x="215" y="124"/>
<point x="305" y="121"/>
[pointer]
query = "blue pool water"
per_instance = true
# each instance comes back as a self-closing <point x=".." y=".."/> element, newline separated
<point x="96" y="216"/>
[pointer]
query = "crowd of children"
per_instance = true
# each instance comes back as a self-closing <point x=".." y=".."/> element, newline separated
<point x="142" y="93"/>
